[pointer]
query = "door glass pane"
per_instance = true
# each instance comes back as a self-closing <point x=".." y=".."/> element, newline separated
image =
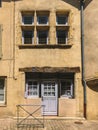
<point x="53" y="93"/>
<point x="49" y="89"/>
<point x="49" y="93"/>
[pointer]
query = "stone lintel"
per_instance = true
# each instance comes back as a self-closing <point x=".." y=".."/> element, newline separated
<point x="51" y="69"/>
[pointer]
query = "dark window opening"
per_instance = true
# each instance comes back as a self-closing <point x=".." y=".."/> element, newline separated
<point x="62" y="19"/>
<point x="28" y="19"/>
<point x="28" y="37"/>
<point x="42" y="19"/>
<point x="42" y="37"/>
<point x="2" y="93"/>
<point x="61" y="37"/>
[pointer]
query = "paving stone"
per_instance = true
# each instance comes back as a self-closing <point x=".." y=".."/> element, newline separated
<point x="56" y="124"/>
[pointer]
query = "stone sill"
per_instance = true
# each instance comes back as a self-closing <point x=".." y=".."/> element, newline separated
<point x="30" y="46"/>
<point x="2" y="105"/>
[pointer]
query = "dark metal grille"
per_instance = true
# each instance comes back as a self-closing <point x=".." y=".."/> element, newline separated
<point x="28" y="36"/>
<point x="27" y="19"/>
<point x="42" y="19"/>
<point x="42" y="37"/>
<point x="61" y="19"/>
<point x="61" y="37"/>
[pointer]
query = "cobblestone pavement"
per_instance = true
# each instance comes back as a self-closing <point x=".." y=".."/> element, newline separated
<point x="51" y="124"/>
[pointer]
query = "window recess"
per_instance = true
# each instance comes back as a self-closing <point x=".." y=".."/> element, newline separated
<point x="67" y="88"/>
<point x="61" y="36"/>
<point x="27" y="37"/>
<point x="42" y="20"/>
<point x="62" y="20"/>
<point x="32" y="89"/>
<point x="27" y="19"/>
<point x="62" y="27"/>
<point x="42" y="17"/>
<point x="42" y="36"/>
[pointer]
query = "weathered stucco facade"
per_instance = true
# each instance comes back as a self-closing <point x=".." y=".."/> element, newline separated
<point x="91" y="58"/>
<point x="49" y="63"/>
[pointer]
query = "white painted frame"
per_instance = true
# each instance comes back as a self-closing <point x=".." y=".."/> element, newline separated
<point x="46" y="39"/>
<point x="23" y="17"/>
<point x="23" y="36"/>
<point x="62" y="16"/>
<point x="26" y="90"/>
<point x="47" y="19"/>
<point x="71" y="89"/>
<point x="66" y="40"/>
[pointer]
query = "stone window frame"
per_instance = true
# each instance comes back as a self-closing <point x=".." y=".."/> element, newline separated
<point x="27" y="91"/>
<point x="69" y="90"/>
<point x="35" y="26"/>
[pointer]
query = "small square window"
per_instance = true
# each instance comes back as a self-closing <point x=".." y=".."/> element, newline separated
<point x="67" y="88"/>
<point x="41" y="19"/>
<point x="62" y="19"/>
<point x="2" y="90"/>
<point x="27" y="19"/>
<point x="42" y="37"/>
<point x="27" y="36"/>
<point x="61" y="37"/>
<point x="32" y="89"/>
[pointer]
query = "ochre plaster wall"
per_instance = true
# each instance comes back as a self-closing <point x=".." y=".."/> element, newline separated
<point x="91" y="56"/>
<point x="70" y="57"/>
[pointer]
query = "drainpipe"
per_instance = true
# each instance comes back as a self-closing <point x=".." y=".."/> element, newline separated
<point x="14" y="40"/>
<point x="82" y="55"/>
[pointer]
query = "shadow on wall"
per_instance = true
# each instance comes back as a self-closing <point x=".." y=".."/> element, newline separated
<point x="76" y="3"/>
<point x="10" y="0"/>
<point x="93" y="85"/>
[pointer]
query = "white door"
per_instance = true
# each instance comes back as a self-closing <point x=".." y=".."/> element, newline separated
<point x="49" y="98"/>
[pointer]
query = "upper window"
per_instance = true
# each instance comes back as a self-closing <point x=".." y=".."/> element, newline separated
<point x="67" y="88"/>
<point x="32" y="89"/>
<point x="27" y="19"/>
<point x="27" y="37"/>
<point x="61" y="37"/>
<point x="62" y="19"/>
<point x="42" y="37"/>
<point x="37" y="28"/>
<point x="2" y="90"/>
<point x="42" y="19"/>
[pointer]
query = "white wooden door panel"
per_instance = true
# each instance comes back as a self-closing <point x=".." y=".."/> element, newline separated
<point x="49" y="98"/>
